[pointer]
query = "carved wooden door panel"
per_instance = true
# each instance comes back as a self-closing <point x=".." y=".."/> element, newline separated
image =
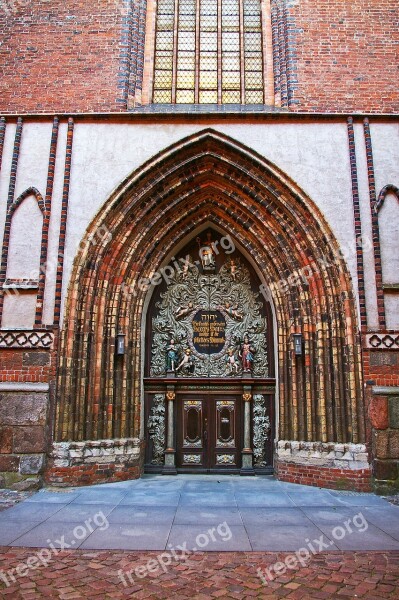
<point x="193" y="434"/>
<point x="208" y="433"/>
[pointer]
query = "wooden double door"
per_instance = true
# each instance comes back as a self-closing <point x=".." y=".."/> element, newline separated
<point x="209" y="432"/>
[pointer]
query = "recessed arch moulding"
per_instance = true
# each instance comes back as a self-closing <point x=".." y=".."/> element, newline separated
<point x="209" y="178"/>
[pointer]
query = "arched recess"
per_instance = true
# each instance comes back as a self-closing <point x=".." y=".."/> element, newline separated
<point x="210" y="178"/>
<point x="385" y="238"/>
<point x="21" y="262"/>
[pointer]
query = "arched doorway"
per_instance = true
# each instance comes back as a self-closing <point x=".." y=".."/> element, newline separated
<point x="209" y="347"/>
<point x="207" y="179"/>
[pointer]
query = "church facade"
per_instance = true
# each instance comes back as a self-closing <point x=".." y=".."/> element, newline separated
<point x="199" y="218"/>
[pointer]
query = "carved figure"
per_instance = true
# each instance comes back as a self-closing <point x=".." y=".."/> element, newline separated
<point x="187" y="364"/>
<point x="247" y="354"/>
<point x="184" y="311"/>
<point x="207" y="253"/>
<point x="232" y="364"/>
<point x="186" y="266"/>
<point x="233" y="269"/>
<point x="233" y="311"/>
<point x="171" y="356"/>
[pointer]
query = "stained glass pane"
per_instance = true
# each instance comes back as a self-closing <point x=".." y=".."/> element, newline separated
<point x="162" y="96"/>
<point x="231" y="22"/>
<point x="206" y="97"/>
<point x="186" y="40"/>
<point x="208" y="41"/>
<point x="208" y="80"/>
<point x="230" y="41"/>
<point x="164" y="61"/>
<point x="209" y="7"/>
<point x="231" y="97"/>
<point x="194" y="60"/>
<point x="185" y="97"/>
<point x="231" y="80"/>
<point x="253" y="62"/>
<point x="231" y="62"/>
<point x="185" y="79"/>
<point x="252" y="97"/>
<point x="209" y="62"/>
<point x="186" y="61"/>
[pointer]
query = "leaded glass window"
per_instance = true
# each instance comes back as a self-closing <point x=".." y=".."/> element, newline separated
<point x="209" y="51"/>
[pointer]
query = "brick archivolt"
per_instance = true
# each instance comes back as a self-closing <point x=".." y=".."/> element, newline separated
<point x="211" y="178"/>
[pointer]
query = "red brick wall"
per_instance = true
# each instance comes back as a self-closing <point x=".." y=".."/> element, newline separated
<point x="60" y="56"/>
<point x="381" y="369"/>
<point x="75" y="56"/>
<point x="347" y="54"/>
<point x="91" y="474"/>
<point x="359" y="481"/>
<point x="36" y="366"/>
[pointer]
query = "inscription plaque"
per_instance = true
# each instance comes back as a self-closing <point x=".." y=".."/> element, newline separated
<point x="209" y="331"/>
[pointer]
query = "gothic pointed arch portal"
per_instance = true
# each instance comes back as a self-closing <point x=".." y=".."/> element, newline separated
<point x="210" y="178"/>
<point x="210" y="344"/>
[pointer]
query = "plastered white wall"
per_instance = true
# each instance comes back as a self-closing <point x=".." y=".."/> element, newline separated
<point x="25" y="241"/>
<point x="315" y="155"/>
<point x="5" y="174"/>
<point x="392" y="311"/>
<point x="385" y="142"/>
<point x="33" y="157"/>
<point x="19" y="310"/>
<point x="389" y="242"/>
<point x="388" y="219"/>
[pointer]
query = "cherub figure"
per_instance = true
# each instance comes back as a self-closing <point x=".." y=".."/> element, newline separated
<point x="186" y="266"/>
<point x="184" y="311"/>
<point x="232" y="364"/>
<point x="233" y="311"/>
<point x="233" y="269"/>
<point x="187" y="364"/>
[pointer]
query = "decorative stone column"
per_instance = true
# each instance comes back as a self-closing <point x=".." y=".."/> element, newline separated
<point x="247" y="466"/>
<point x="170" y="463"/>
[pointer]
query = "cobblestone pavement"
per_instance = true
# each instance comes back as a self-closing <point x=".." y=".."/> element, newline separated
<point x="204" y="576"/>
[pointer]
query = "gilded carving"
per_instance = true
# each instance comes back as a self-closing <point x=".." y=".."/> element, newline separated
<point x="225" y="459"/>
<point x="156" y="429"/>
<point x="261" y="428"/>
<point x="206" y="320"/>
<point x="194" y="459"/>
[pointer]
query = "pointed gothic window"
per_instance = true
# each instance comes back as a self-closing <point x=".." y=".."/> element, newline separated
<point x="209" y="52"/>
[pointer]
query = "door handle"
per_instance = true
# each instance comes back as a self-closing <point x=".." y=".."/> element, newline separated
<point x="206" y="429"/>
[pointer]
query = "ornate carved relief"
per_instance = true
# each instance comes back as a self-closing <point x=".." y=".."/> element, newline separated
<point x="208" y="316"/>
<point x="225" y="459"/>
<point x="225" y="423"/>
<point x="156" y="428"/>
<point x="261" y="424"/>
<point x="192" y="459"/>
<point x="192" y="434"/>
<point x="26" y="339"/>
<point x="383" y="341"/>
